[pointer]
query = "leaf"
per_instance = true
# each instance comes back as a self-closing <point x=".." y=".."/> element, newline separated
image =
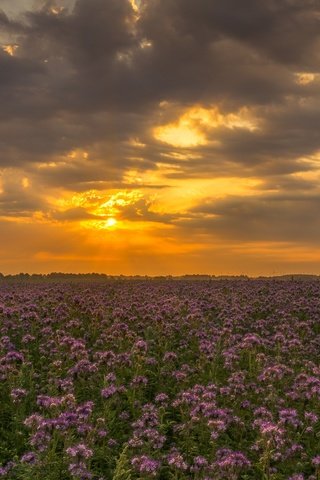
<point x="123" y="469"/>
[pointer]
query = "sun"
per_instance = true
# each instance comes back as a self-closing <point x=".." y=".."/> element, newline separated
<point x="111" y="222"/>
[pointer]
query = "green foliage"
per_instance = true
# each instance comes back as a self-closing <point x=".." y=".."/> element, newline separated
<point x="122" y="470"/>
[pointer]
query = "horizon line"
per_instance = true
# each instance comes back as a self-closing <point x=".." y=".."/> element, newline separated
<point x="54" y="274"/>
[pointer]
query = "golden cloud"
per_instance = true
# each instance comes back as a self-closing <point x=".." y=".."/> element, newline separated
<point x="190" y="129"/>
<point x="304" y="78"/>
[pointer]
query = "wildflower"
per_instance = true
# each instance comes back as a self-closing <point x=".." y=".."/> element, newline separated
<point x="175" y="459"/>
<point x="231" y="460"/>
<point x="29" y="457"/>
<point x="18" y="394"/>
<point x="144" y="464"/>
<point x="80" y="470"/>
<point x="199" y="463"/>
<point x="141" y="345"/>
<point x="109" y="391"/>
<point x="80" y="450"/>
<point x="316" y="461"/>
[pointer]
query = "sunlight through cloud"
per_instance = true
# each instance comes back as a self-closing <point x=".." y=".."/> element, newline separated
<point x="10" y="49"/>
<point x="191" y="129"/>
<point x="304" y="78"/>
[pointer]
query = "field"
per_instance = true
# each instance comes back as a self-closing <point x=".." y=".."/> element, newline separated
<point x="160" y="379"/>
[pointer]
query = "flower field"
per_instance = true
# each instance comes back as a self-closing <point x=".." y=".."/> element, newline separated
<point x="160" y="379"/>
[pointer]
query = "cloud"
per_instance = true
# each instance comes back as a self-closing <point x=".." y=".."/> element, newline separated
<point x="17" y="198"/>
<point x="282" y="217"/>
<point x="163" y="96"/>
<point x="89" y="80"/>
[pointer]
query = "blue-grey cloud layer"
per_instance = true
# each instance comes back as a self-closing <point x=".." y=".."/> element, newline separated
<point x="85" y="79"/>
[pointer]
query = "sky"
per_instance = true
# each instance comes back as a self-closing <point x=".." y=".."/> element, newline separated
<point x="160" y="137"/>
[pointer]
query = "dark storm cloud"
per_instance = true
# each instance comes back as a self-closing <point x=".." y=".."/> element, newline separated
<point x="12" y="69"/>
<point x="208" y="49"/>
<point x="284" y="30"/>
<point x="16" y="200"/>
<point x="291" y="184"/>
<point x="198" y="52"/>
<point x="271" y="217"/>
<point x="81" y="79"/>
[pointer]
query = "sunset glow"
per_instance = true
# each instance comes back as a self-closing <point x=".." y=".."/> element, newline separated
<point x="189" y="130"/>
<point x="159" y="137"/>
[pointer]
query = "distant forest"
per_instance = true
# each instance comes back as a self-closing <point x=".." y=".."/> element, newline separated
<point x="74" y="277"/>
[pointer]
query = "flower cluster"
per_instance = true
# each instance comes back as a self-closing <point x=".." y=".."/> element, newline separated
<point x="138" y="379"/>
